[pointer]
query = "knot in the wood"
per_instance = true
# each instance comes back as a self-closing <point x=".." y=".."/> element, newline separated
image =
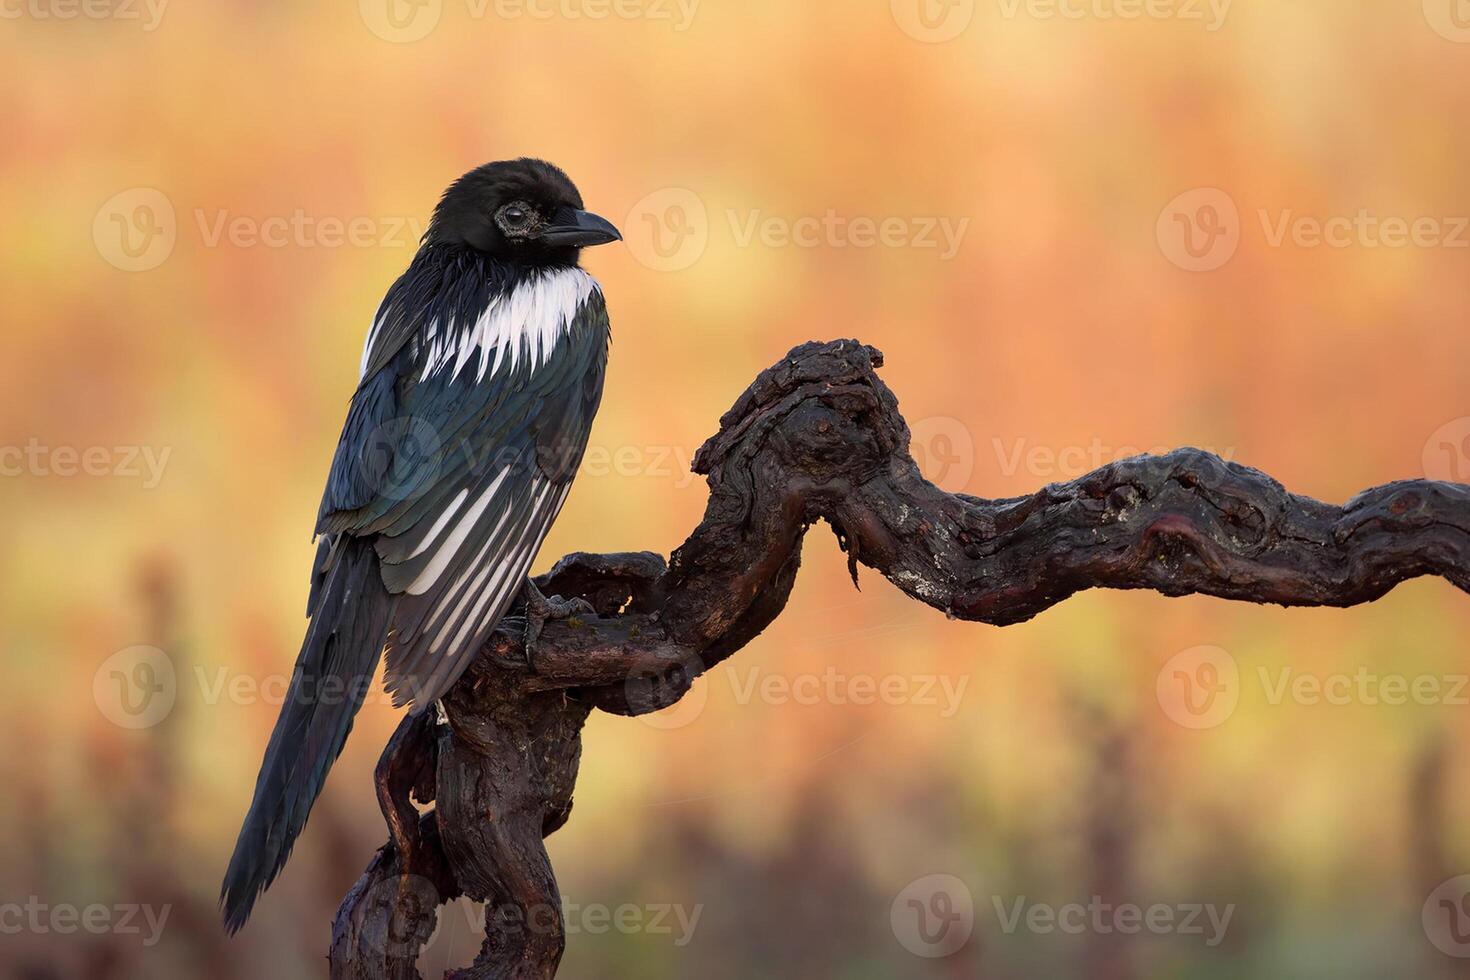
<point x="817" y="397"/>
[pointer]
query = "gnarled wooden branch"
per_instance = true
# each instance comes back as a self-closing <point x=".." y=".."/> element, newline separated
<point x="819" y="437"/>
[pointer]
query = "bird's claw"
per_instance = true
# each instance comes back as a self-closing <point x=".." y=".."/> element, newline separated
<point x="542" y="609"/>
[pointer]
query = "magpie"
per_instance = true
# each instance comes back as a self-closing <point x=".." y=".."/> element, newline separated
<point x="481" y="374"/>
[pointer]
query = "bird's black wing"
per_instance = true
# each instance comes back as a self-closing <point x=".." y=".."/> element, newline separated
<point x="455" y="465"/>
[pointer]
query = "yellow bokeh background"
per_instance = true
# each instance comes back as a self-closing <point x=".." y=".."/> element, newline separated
<point x="742" y="146"/>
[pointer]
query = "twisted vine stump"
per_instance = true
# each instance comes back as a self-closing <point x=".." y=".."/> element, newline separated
<point x="817" y="437"/>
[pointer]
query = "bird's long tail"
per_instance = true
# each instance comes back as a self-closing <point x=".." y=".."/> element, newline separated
<point x="350" y="612"/>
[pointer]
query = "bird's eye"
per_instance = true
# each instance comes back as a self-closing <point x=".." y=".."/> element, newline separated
<point x="515" y="215"/>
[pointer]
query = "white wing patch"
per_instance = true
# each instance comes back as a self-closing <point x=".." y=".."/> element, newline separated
<point x="476" y="599"/>
<point x="510" y="572"/>
<point x="456" y="539"/>
<point x="449" y="512"/>
<point x="367" y="347"/>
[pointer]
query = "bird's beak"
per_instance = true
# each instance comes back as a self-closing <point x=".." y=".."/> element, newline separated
<point x="579" y="229"/>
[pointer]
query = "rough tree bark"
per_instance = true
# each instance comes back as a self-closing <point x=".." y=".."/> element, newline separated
<point x="818" y="437"/>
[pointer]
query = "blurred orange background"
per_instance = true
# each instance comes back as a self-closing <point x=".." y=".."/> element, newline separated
<point x="1075" y="230"/>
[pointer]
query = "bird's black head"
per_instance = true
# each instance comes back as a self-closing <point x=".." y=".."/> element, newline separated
<point x="524" y="211"/>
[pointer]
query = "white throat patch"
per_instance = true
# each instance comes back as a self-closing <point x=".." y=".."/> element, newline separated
<point x="524" y="324"/>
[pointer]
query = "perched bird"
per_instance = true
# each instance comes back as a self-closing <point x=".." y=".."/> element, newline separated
<point x="481" y="374"/>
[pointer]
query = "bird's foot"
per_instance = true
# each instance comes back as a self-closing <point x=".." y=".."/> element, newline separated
<point x="541" y="610"/>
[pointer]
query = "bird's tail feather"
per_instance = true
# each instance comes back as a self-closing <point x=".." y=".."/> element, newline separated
<point x="351" y="611"/>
